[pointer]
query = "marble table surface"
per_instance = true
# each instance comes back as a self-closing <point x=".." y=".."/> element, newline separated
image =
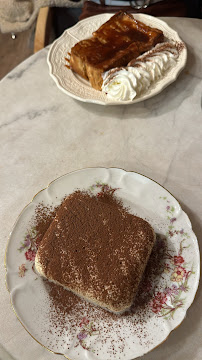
<point x="45" y="133"/>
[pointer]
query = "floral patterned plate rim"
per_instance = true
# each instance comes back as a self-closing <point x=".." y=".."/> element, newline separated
<point x="167" y="292"/>
<point x="80" y="89"/>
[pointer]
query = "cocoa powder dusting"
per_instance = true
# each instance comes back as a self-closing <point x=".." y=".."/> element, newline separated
<point x="70" y="314"/>
<point x="97" y="249"/>
<point x="44" y="215"/>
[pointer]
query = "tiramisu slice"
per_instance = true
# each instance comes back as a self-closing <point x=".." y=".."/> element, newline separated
<point x="97" y="249"/>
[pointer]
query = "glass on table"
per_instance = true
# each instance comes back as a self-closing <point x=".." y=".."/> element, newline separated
<point x="140" y="4"/>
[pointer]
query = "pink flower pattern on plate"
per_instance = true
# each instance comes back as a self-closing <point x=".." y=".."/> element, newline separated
<point x="22" y="269"/>
<point x="87" y="330"/>
<point x="166" y="300"/>
<point x="178" y="260"/>
<point x="158" y="301"/>
<point x="29" y="247"/>
<point x="178" y="274"/>
<point x="30" y="255"/>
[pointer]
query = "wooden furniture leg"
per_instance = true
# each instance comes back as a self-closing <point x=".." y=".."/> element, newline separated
<point x="43" y="28"/>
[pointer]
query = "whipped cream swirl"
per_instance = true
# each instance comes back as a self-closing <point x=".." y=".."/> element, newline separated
<point x="127" y="83"/>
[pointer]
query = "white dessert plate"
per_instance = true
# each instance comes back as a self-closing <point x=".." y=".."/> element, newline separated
<point x="90" y="332"/>
<point x="80" y="89"/>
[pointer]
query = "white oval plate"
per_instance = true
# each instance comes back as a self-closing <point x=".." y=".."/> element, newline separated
<point x="80" y="89"/>
<point x="172" y="294"/>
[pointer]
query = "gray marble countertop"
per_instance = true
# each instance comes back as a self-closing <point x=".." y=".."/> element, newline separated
<point x="45" y="133"/>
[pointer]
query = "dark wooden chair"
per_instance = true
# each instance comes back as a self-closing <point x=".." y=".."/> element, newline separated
<point x="183" y="8"/>
<point x="51" y="23"/>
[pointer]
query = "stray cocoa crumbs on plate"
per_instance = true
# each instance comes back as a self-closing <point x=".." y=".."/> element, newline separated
<point x="67" y="310"/>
